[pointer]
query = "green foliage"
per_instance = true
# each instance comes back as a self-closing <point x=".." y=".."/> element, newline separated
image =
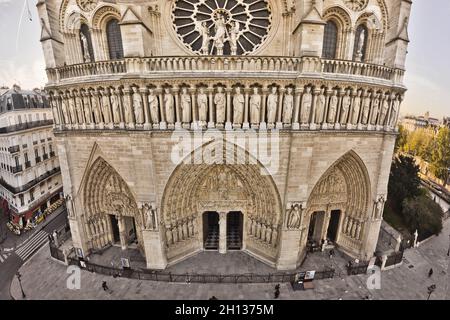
<point x="401" y="140"/>
<point x="404" y="181"/>
<point x="420" y="143"/>
<point x="423" y="214"/>
<point x="440" y="159"/>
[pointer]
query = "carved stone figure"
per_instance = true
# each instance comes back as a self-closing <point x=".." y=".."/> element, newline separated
<point x="356" y="107"/>
<point x="272" y="105"/>
<point x="332" y="109"/>
<point x="84" y="41"/>
<point x="149" y="214"/>
<point x="366" y="108"/>
<point x="294" y="217"/>
<point x="115" y="104"/>
<point x="255" y="107"/>
<point x="96" y="108"/>
<point x="169" y="106"/>
<point x="320" y="107"/>
<point x="203" y="29"/>
<point x="106" y="109"/>
<point x="185" y="105"/>
<point x="379" y="207"/>
<point x="306" y="106"/>
<point x="238" y="106"/>
<point x="221" y="33"/>
<point x="288" y="106"/>
<point x="394" y="112"/>
<point x="220" y="102"/>
<point x="384" y="110"/>
<point x="375" y="109"/>
<point x="202" y="101"/>
<point x="72" y="111"/>
<point x="345" y="110"/>
<point x="55" y="111"/>
<point x="87" y="108"/>
<point x="127" y="108"/>
<point x="79" y="108"/>
<point x="360" y="48"/>
<point x="153" y="104"/>
<point x="138" y="106"/>
<point x="234" y="36"/>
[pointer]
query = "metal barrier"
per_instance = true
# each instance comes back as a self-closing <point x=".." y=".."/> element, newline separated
<point x="195" y="278"/>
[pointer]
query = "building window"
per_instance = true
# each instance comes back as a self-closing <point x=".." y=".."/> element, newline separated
<point x="22" y="202"/>
<point x="32" y="195"/>
<point x="114" y="37"/>
<point x="16" y="159"/>
<point x="359" y="52"/>
<point x="330" y="41"/>
<point x="86" y="44"/>
<point x="25" y="155"/>
<point x="36" y="153"/>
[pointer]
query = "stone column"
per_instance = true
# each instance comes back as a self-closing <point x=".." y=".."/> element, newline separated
<point x="337" y="122"/>
<point x="228" y="124"/>
<point x="123" y="233"/>
<point x="223" y="232"/>
<point x="279" y="124"/>
<point x="295" y="120"/>
<point x="195" y="118"/>
<point x="177" y="107"/>
<point x="326" y="224"/>
<point x="263" y="124"/>
<point x="147" y="122"/>
<point x="246" y="125"/>
<point x="154" y="249"/>
<point x="211" y="107"/>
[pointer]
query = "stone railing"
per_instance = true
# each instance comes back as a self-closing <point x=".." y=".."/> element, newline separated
<point x="194" y="65"/>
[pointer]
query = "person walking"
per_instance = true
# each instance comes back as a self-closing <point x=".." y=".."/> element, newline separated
<point x="105" y="286"/>
<point x="430" y="273"/>
<point x="331" y="253"/>
<point x="277" y="291"/>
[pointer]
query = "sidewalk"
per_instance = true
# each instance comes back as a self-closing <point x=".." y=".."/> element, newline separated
<point x="14" y="242"/>
<point x="45" y="278"/>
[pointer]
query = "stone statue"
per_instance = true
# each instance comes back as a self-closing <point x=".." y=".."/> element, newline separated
<point x="185" y="105"/>
<point x="79" y="108"/>
<point x="288" y="106"/>
<point x="255" y="107"/>
<point x="96" y="108"/>
<point x="87" y="108"/>
<point x="272" y="105"/>
<point x="55" y="111"/>
<point x="202" y="101"/>
<point x="384" y="110"/>
<point x="238" y="106"/>
<point x="221" y="33"/>
<point x="345" y="110"/>
<point x="128" y="112"/>
<point x="220" y="102"/>
<point x="150" y="217"/>
<point x="114" y="95"/>
<point x="320" y="107"/>
<point x="394" y="112"/>
<point x="234" y="37"/>
<point x="106" y="109"/>
<point x="84" y="41"/>
<point x="153" y="104"/>
<point x="138" y="106"/>
<point x="333" y="107"/>
<point x="72" y="111"/>
<point x="274" y="239"/>
<point x="360" y="48"/>
<point x="375" y="109"/>
<point x="169" y="106"/>
<point x="268" y="235"/>
<point x="366" y="108"/>
<point x="294" y="217"/>
<point x="356" y="107"/>
<point x="306" y="106"/>
<point x="379" y="206"/>
<point x="203" y="30"/>
<point x="169" y="237"/>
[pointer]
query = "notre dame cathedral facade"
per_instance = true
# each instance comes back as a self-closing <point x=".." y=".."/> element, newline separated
<point x="257" y="125"/>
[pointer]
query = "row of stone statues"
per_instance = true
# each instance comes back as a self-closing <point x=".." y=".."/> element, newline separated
<point x="97" y="230"/>
<point x="180" y="231"/>
<point x="352" y="227"/>
<point x="263" y="232"/>
<point x="225" y="106"/>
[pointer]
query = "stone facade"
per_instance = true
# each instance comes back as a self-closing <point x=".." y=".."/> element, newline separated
<point x="121" y="111"/>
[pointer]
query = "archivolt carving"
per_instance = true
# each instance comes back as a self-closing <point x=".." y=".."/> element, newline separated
<point x="102" y="13"/>
<point x="339" y="15"/>
<point x="74" y="21"/>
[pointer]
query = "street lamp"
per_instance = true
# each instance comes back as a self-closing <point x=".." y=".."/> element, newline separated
<point x="431" y="290"/>
<point x="19" y="277"/>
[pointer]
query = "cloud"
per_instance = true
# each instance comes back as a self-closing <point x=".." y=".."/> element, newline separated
<point x="28" y="75"/>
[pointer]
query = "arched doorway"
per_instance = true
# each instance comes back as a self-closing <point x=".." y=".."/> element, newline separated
<point x="242" y="187"/>
<point x="112" y="215"/>
<point x="339" y="205"/>
<point x="235" y="228"/>
<point x="211" y="230"/>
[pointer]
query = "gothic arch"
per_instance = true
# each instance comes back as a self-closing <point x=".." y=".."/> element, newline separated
<point x="345" y="186"/>
<point x="74" y="21"/>
<point x="103" y="14"/>
<point x="343" y="22"/>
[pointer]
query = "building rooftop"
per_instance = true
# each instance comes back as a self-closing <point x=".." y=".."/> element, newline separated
<point x="17" y="99"/>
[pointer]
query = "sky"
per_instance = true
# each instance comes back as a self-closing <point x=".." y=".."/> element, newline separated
<point x="427" y="68"/>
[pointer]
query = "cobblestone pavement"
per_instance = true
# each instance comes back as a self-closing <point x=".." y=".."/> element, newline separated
<point x="44" y="278"/>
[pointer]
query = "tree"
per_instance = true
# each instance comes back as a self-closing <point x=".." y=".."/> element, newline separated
<point x="404" y="181"/>
<point x="420" y="143"/>
<point x="401" y="140"/>
<point x="424" y="215"/>
<point x="440" y="159"/>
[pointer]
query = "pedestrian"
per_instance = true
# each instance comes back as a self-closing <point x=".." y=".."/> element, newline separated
<point x="105" y="286"/>
<point x="277" y="291"/>
<point x="213" y="298"/>
<point x="430" y="273"/>
<point x="331" y="253"/>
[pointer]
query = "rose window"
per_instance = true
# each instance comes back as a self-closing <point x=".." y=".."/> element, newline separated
<point x="222" y="27"/>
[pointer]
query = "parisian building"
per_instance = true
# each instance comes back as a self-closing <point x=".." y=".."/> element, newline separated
<point x="319" y="81"/>
<point x="30" y="180"/>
